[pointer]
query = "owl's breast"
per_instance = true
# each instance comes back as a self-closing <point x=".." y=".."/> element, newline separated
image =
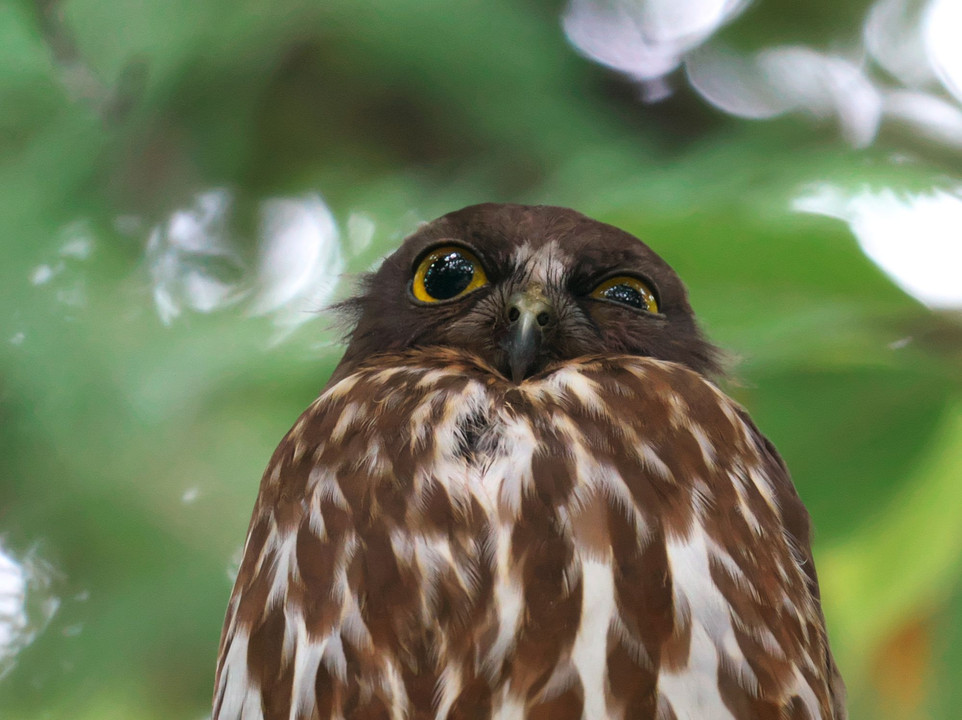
<point x="432" y="540"/>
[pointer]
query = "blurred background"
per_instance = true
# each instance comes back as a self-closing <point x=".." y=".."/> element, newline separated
<point x="185" y="185"/>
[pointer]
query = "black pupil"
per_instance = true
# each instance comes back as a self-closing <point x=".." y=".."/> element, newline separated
<point x="448" y="276"/>
<point x="627" y="295"/>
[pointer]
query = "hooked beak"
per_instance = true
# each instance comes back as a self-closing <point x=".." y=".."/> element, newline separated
<point x="528" y="313"/>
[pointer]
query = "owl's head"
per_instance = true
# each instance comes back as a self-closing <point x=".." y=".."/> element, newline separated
<point x="523" y="287"/>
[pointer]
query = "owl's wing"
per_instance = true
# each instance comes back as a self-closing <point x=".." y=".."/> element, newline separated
<point x="798" y="526"/>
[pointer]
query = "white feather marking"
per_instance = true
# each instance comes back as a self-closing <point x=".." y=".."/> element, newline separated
<point x="693" y="691"/>
<point x="447" y="563"/>
<point x="593" y="476"/>
<point x="767" y="640"/>
<point x="285" y="567"/>
<point x="582" y="387"/>
<point x="384" y="377"/>
<point x="291" y="631"/>
<point x="731" y="655"/>
<point x="299" y="450"/>
<point x="679" y="415"/>
<point x="562" y="678"/>
<point x="420" y="417"/>
<point x="298" y="428"/>
<point x="393" y="687"/>
<point x="231" y="625"/>
<point x="707" y="448"/>
<point x="447" y="468"/>
<point x="509" y="475"/>
<point x="750" y="518"/>
<point x="353" y="627"/>
<point x="805" y="692"/>
<point x="760" y="479"/>
<point x="430" y="557"/>
<point x="307" y="659"/>
<point x="239" y="694"/>
<point x="732" y="569"/>
<point x="328" y="489"/>
<point x="345" y="420"/>
<point x="340" y="389"/>
<point x="640" y="370"/>
<point x="702" y="499"/>
<point x="431" y="377"/>
<point x="251" y="709"/>
<point x="654" y="463"/>
<point x="636" y="650"/>
<point x="728" y="408"/>
<point x="510" y="707"/>
<point x="508" y="599"/>
<point x="590" y="651"/>
<point x="734" y="660"/>
<point x="276" y="473"/>
<point x="374" y="459"/>
<point x="340" y="588"/>
<point x="664" y="710"/>
<point x="447" y="690"/>
<point x="403" y="545"/>
<point x="334" y="658"/>
<point x="315" y="520"/>
<point x="548" y="265"/>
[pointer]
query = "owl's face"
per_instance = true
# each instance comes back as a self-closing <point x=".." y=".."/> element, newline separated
<point x="524" y="287"/>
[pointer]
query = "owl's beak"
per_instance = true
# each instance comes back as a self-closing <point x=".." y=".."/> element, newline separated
<point x="528" y="313"/>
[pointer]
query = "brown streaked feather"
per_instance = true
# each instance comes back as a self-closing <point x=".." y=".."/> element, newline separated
<point x="431" y="540"/>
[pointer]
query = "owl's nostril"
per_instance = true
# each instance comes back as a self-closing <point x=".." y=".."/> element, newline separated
<point x="542" y="318"/>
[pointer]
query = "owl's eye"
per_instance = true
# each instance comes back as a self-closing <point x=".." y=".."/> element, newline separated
<point x="446" y="273"/>
<point x="627" y="291"/>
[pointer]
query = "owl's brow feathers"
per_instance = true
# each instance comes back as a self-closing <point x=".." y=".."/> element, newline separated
<point x="565" y="253"/>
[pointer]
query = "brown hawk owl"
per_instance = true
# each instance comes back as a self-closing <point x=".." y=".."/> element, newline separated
<point x="521" y="496"/>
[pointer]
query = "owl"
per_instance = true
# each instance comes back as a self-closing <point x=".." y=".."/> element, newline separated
<point x="521" y="495"/>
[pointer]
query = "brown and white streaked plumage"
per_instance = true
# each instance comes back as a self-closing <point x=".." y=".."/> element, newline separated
<point x="521" y="496"/>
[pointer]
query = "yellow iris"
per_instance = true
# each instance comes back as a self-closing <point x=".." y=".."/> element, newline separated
<point x="447" y="273"/>
<point x="627" y="290"/>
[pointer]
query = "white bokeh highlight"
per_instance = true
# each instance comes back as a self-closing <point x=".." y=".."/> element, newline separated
<point x="299" y="260"/>
<point x="645" y="39"/>
<point x="915" y="238"/>
<point x="27" y="603"/>
<point x="789" y="79"/>
<point x="197" y="264"/>
<point x="941" y="30"/>
<point x="187" y="256"/>
<point x="903" y="69"/>
<point x="892" y="35"/>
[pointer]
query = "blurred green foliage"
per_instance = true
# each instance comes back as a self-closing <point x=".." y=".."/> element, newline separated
<point x="131" y="450"/>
